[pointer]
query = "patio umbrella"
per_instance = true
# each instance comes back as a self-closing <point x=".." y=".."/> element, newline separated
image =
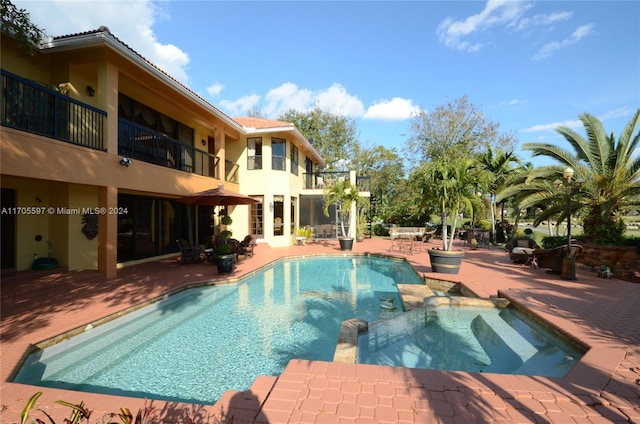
<point x="219" y="196"/>
<point x="214" y="197"/>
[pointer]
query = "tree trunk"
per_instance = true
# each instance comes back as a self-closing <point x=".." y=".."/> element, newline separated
<point x="445" y="240"/>
<point x="493" y="219"/>
<point x="453" y="231"/>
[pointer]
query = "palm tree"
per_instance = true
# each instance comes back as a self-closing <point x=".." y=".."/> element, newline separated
<point x="499" y="165"/>
<point x="610" y="171"/>
<point x="451" y="186"/>
<point x="344" y="194"/>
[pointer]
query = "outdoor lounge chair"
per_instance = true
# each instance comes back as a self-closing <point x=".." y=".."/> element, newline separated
<point x="246" y="247"/>
<point x="552" y="258"/>
<point x="189" y="253"/>
<point x="516" y="248"/>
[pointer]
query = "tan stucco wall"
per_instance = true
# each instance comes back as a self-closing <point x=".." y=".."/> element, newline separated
<point x="61" y="226"/>
<point x="269" y="183"/>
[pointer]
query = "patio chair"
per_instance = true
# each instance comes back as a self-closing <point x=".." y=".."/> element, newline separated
<point x="552" y="258"/>
<point x="246" y="247"/>
<point x="521" y="249"/>
<point x="189" y="253"/>
<point x="428" y="235"/>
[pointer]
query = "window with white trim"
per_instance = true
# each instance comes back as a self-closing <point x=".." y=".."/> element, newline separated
<point x="254" y="153"/>
<point x="278" y="154"/>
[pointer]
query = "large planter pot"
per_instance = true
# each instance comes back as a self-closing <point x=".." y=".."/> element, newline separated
<point x="225" y="263"/>
<point x="346" y="243"/>
<point x="45" y="263"/>
<point x="445" y="261"/>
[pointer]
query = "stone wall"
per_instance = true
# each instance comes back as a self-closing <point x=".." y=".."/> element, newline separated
<point x="617" y="257"/>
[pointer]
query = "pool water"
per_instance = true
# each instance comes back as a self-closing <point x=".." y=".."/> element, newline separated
<point x="474" y="339"/>
<point x="195" y="345"/>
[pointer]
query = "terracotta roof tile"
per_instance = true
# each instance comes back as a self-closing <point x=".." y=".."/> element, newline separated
<point x="261" y="123"/>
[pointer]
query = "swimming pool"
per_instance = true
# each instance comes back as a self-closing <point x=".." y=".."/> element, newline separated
<point x="195" y="345"/>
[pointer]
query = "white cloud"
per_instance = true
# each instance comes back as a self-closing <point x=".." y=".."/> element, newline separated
<point x="334" y="99"/>
<point x="552" y="127"/>
<point x="129" y="21"/>
<point x="542" y="20"/>
<point x="580" y="32"/>
<point x="396" y="109"/>
<point x="215" y="89"/>
<point x="620" y="112"/>
<point x="285" y="97"/>
<point x="242" y="105"/>
<point x="513" y="102"/>
<point x="495" y="13"/>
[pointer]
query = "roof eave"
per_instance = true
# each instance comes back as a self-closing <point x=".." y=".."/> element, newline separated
<point x="102" y="39"/>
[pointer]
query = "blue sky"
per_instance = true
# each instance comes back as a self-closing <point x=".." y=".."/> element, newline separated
<point x="530" y="66"/>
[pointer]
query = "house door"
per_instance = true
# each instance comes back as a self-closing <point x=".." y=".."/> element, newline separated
<point x="257" y="218"/>
<point x="8" y="228"/>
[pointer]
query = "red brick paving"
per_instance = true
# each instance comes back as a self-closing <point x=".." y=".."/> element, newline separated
<point x="602" y="314"/>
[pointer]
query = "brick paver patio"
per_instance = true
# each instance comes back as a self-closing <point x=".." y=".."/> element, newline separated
<point x="602" y="314"/>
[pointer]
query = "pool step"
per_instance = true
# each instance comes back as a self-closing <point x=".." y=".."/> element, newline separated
<point x="413" y="295"/>
<point x="489" y="323"/>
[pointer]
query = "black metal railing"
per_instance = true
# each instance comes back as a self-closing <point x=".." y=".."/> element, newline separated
<point x="28" y="106"/>
<point x="363" y="183"/>
<point x="324" y="179"/>
<point x="141" y="143"/>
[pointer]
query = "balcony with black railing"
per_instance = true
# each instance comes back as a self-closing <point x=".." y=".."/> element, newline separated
<point x="32" y="107"/>
<point x="320" y="180"/>
<point x="141" y="143"/>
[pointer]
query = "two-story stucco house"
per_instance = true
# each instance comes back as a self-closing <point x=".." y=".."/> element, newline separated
<point x="98" y="146"/>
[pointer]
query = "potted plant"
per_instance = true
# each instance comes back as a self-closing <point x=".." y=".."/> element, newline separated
<point x="344" y="194"/>
<point x="303" y="234"/>
<point x="225" y="257"/>
<point x="450" y="184"/>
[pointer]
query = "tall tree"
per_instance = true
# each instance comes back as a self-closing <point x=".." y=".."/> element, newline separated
<point x="333" y="136"/>
<point x="16" y="22"/>
<point x="385" y="170"/>
<point x="499" y="165"/>
<point x="458" y="129"/>
<point x="609" y="169"/>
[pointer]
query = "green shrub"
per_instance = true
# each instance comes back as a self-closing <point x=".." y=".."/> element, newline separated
<point x="306" y="232"/>
<point x="551" y="242"/>
<point x="80" y="413"/>
<point x="483" y="224"/>
<point x="380" y="230"/>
